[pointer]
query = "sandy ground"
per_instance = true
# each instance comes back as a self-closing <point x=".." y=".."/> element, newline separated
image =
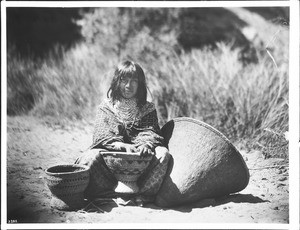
<point x="34" y="145"/>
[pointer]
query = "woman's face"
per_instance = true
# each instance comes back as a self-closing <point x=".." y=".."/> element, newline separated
<point x="128" y="87"/>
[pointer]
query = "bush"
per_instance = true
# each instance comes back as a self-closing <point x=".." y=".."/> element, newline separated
<point x="243" y="101"/>
<point x="67" y="84"/>
<point x="73" y="85"/>
<point x="23" y="83"/>
<point x="213" y="86"/>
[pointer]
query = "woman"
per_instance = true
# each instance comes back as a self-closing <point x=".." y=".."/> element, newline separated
<point x="126" y="121"/>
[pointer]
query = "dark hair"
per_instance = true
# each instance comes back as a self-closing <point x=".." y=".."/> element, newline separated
<point x="132" y="70"/>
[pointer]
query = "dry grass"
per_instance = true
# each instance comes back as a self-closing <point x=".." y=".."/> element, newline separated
<point x="214" y="87"/>
<point x="245" y="102"/>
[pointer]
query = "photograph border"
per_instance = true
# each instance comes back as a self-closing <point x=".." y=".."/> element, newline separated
<point x="293" y="113"/>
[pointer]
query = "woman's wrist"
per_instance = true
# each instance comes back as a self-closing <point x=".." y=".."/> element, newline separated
<point x="118" y="145"/>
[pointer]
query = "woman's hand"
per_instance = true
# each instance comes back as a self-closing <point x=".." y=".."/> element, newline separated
<point x="130" y="148"/>
<point x="123" y="146"/>
<point x="145" y="150"/>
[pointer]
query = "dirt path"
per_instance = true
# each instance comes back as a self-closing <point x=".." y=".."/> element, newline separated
<point x="34" y="145"/>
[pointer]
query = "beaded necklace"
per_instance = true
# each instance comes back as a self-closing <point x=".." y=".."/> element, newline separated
<point x="126" y="109"/>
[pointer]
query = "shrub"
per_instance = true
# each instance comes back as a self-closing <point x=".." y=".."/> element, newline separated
<point x="74" y="85"/>
<point x="244" y="101"/>
<point x="22" y="83"/>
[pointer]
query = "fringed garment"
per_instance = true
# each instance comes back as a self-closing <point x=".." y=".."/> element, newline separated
<point x="125" y="122"/>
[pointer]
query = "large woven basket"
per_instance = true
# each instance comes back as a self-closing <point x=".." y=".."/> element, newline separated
<point x="204" y="164"/>
<point x="67" y="184"/>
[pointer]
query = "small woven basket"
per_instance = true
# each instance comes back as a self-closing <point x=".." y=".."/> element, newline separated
<point x="67" y="184"/>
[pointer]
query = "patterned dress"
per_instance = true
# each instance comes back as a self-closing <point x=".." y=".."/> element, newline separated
<point x="125" y="122"/>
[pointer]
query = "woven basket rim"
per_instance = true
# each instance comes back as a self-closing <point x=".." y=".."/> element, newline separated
<point x="178" y="119"/>
<point x="117" y="154"/>
<point x="78" y="166"/>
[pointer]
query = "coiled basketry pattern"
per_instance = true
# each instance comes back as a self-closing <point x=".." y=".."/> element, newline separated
<point x="67" y="184"/>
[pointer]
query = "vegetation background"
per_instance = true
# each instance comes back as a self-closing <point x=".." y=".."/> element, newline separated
<point x="225" y="66"/>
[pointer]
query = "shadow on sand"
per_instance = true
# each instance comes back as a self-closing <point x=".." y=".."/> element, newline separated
<point x="213" y="202"/>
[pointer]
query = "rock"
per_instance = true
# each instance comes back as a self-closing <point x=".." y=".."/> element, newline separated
<point x="37" y="168"/>
<point x="282" y="178"/>
<point x="281" y="185"/>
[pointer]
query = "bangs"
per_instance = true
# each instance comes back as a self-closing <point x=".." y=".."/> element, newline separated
<point x="128" y="72"/>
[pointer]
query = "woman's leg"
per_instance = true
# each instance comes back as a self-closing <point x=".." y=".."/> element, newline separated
<point x="152" y="179"/>
<point x="102" y="181"/>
